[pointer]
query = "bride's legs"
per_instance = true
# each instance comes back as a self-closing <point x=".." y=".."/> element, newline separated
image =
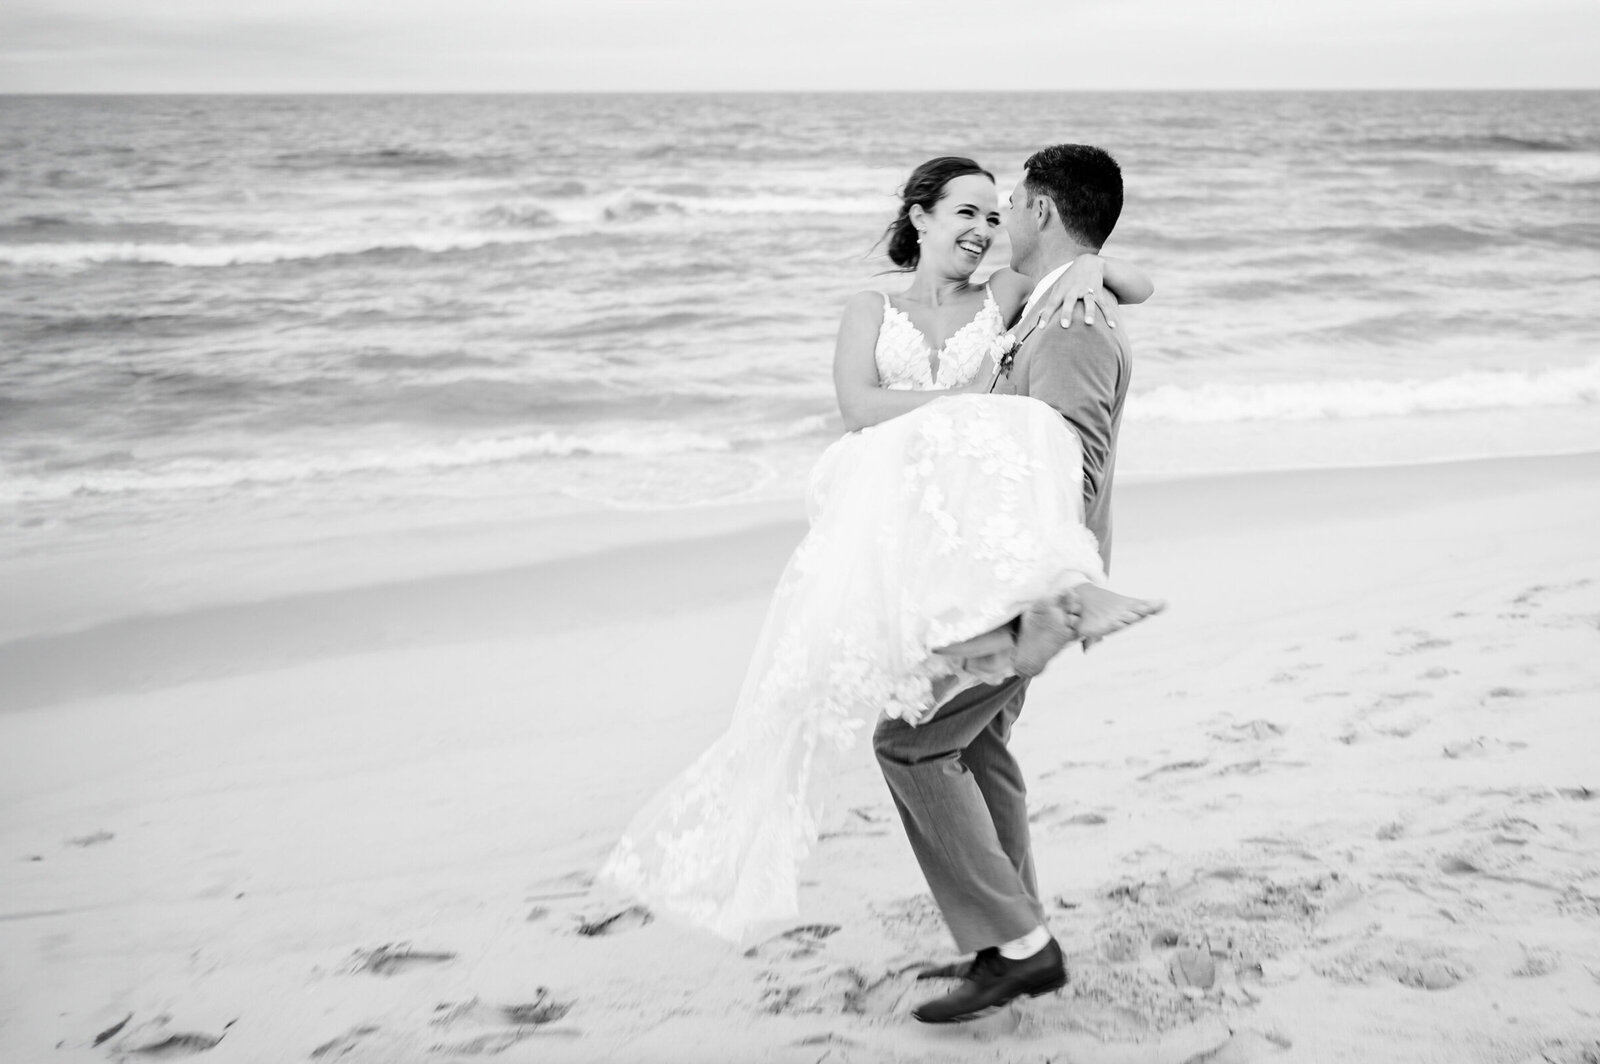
<point x="1024" y="645"/>
<point x="995" y="641"/>
<point x="1086" y="612"/>
<point x="1102" y="611"/>
<point x="1020" y="647"/>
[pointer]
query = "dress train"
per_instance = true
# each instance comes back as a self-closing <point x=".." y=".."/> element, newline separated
<point x="926" y="530"/>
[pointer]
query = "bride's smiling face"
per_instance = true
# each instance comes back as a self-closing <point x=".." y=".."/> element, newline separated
<point x="959" y="229"/>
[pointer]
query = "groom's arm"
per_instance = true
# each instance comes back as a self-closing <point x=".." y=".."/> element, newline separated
<point x="1077" y="371"/>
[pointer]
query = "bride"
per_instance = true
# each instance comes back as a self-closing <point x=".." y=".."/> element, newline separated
<point x="947" y="548"/>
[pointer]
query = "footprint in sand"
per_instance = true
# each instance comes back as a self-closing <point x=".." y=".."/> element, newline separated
<point x="863" y="822"/>
<point x="183" y="1044"/>
<point x="1385" y="717"/>
<point x="634" y="916"/>
<point x="913" y="921"/>
<point x="1241" y="768"/>
<point x="1514" y="831"/>
<point x="1430" y="974"/>
<point x="113" y="1030"/>
<point x="1265" y="901"/>
<point x="1421" y="645"/>
<point x="1050" y="816"/>
<point x="1121" y="944"/>
<point x="154" y="1039"/>
<point x="827" y="1038"/>
<point x="1165" y="938"/>
<point x="1250" y="731"/>
<point x="1176" y="766"/>
<point x="1043" y="812"/>
<point x="1466" y="748"/>
<point x="1294" y="673"/>
<point x="1394" y="698"/>
<point x="1534" y="594"/>
<point x="334" y="1048"/>
<point x="1420" y="965"/>
<point x="478" y="1029"/>
<point x="571" y="885"/>
<point x="846" y="991"/>
<point x="544" y="1009"/>
<point x="1455" y="864"/>
<point x="1480" y="747"/>
<point x="796" y="943"/>
<point x="1068" y="766"/>
<point x="1193" y="966"/>
<point x="394" y="958"/>
<point x="1574" y="902"/>
<point x="1245" y="1047"/>
<point x="1137" y="892"/>
<point x="1404" y="728"/>
<point x="1537" y="962"/>
<point x="1562" y="1051"/>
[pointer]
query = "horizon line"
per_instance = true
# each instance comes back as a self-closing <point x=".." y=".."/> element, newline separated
<point x="777" y="92"/>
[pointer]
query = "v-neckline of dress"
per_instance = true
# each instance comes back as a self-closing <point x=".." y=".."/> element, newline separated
<point x="935" y="360"/>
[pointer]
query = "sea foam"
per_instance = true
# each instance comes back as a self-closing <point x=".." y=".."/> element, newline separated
<point x="1350" y="399"/>
<point x="184" y="474"/>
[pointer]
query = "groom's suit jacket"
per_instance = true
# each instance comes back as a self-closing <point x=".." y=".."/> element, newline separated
<point x="1083" y="372"/>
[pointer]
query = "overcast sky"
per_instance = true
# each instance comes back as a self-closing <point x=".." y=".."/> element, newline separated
<point x="578" y="45"/>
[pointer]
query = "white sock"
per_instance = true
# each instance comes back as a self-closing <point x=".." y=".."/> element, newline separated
<point x="1019" y="949"/>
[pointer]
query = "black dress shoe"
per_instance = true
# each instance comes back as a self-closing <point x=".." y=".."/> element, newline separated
<point x="955" y="969"/>
<point x="995" y="981"/>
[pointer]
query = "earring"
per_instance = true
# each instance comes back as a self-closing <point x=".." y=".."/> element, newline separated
<point x="919" y="236"/>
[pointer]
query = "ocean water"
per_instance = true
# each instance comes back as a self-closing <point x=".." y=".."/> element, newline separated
<point x="444" y="308"/>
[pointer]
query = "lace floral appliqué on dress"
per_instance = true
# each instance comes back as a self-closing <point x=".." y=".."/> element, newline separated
<point x="927" y="529"/>
<point x="904" y="357"/>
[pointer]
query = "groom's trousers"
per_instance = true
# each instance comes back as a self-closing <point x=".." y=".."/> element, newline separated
<point x="964" y="806"/>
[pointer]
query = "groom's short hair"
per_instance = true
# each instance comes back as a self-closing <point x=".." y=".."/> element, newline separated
<point x="1085" y="184"/>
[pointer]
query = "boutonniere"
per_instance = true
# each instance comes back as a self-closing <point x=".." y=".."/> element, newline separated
<point x="1008" y="354"/>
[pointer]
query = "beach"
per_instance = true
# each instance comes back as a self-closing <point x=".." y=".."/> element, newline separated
<point x="347" y="801"/>
<point x="392" y="486"/>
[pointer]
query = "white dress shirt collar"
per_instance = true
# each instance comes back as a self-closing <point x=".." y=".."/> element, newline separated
<point x="1041" y="288"/>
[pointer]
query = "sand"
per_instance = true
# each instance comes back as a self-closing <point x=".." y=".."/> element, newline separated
<point x="1338" y="804"/>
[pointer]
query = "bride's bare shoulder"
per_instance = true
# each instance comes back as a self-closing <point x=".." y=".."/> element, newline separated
<point x="1011" y="290"/>
<point x="865" y="307"/>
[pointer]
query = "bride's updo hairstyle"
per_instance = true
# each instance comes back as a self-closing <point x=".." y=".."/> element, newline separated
<point x="925" y="187"/>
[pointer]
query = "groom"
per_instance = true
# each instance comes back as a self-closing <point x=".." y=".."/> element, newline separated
<point x="958" y="789"/>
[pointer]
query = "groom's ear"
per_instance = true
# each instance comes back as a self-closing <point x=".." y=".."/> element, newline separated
<point x="1044" y="209"/>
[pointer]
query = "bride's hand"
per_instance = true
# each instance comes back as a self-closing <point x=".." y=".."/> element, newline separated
<point x="1084" y="282"/>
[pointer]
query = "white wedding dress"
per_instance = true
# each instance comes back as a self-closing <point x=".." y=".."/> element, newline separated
<point x="926" y="530"/>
